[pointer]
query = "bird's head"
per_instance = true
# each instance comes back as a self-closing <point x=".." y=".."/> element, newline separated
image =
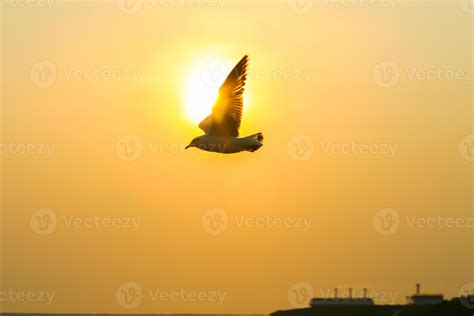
<point x="196" y="142"/>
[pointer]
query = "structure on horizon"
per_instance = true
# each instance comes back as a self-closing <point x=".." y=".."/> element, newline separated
<point x="342" y="301"/>
<point x="349" y="300"/>
<point x="423" y="299"/>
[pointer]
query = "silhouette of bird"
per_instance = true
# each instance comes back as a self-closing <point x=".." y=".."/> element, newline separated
<point x="221" y="127"/>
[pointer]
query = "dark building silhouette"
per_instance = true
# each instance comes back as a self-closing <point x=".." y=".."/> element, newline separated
<point x="342" y="301"/>
<point x="417" y="305"/>
<point x="422" y="299"/>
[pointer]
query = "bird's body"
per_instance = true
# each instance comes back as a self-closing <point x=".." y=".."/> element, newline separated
<point x="229" y="144"/>
<point x="221" y="128"/>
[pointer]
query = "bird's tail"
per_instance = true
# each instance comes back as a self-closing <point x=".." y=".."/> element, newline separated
<point x="258" y="137"/>
<point x="255" y="141"/>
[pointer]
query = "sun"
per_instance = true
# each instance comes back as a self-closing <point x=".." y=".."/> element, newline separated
<point x="201" y="87"/>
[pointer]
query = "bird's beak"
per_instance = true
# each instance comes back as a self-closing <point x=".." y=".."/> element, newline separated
<point x="187" y="146"/>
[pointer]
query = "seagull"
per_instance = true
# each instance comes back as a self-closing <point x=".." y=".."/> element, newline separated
<point x="221" y="127"/>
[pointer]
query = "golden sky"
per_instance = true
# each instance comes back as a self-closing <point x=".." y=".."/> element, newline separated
<point x="364" y="179"/>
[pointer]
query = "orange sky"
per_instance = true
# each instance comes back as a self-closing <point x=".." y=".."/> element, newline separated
<point x="364" y="179"/>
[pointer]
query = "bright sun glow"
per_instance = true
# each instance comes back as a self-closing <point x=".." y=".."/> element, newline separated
<point x="202" y="85"/>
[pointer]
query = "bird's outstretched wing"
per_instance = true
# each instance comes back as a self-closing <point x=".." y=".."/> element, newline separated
<point x="227" y="111"/>
<point x="205" y="124"/>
